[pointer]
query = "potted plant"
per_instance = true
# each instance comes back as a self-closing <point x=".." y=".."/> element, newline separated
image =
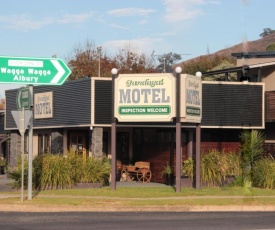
<point x="168" y="173"/>
<point x="187" y="171"/>
<point x="2" y="165"/>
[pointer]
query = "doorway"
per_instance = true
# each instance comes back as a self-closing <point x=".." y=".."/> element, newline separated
<point x="123" y="147"/>
<point x="78" y="144"/>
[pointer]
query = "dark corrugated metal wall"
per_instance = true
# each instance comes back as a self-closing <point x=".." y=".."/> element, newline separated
<point x="222" y="104"/>
<point x="232" y="105"/>
<point x="103" y="102"/>
<point x="71" y="104"/>
<point x="270" y="106"/>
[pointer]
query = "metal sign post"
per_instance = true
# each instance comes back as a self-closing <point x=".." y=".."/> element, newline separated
<point x="22" y="131"/>
<point x="22" y="119"/>
<point x="30" y="145"/>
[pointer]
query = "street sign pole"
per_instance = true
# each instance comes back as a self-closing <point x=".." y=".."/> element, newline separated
<point x="22" y="131"/>
<point x="22" y="119"/>
<point x="30" y="146"/>
<point x="30" y="71"/>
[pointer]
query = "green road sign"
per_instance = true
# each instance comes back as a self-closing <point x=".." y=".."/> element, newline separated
<point x="33" y="71"/>
<point x="23" y="99"/>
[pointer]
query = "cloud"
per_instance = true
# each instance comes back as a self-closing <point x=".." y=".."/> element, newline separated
<point x="143" y="21"/>
<point x="76" y="18"/>
<point x="118" y="26"/>
<point x="142" y="44"/>
<point x="179" y="10"/>
<point x="164" y="34"/>
<point x="215" y="2"/>
<point x="25" y="22"/>
<point x="131" y="12"/>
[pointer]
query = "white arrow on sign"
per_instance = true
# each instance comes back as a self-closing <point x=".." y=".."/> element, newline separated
<point x="19" y="99"/>
<point x="60" y="71"/>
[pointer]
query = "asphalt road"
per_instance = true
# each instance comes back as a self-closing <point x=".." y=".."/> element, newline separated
<point x="137" y="220"/>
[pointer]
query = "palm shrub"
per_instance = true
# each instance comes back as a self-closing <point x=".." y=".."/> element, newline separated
<point x="251" y="151"/>
<point x="263" y="173"/>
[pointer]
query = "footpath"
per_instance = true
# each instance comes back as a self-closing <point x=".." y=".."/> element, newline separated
<point x="116" y="204"/>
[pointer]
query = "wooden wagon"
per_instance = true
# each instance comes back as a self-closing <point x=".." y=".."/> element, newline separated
<point x="140" y="171"/>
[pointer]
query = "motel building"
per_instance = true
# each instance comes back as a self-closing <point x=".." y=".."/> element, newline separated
<point x="157" y="118"/>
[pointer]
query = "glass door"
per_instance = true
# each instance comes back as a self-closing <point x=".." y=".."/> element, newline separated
<point x="78" y="144"/>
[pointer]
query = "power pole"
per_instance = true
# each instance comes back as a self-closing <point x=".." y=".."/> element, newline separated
<point x="163" y="56"/>
<point x="99" y="49"/>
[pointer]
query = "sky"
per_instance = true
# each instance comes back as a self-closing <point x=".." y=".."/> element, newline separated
<point x="44" y="28"/>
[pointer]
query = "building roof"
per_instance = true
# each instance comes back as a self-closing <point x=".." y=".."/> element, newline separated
<point x="269" y="54"/>
<point x="239" y="68"/>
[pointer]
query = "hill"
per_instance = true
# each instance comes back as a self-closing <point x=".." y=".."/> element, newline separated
<point x="249" y="46"/>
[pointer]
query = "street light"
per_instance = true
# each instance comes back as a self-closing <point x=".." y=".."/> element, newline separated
<point x="198" y="74"/>
<point x="178" y="70"/>
<point x="99" y="56"/>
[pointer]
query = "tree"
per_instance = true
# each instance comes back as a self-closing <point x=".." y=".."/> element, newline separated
<point x="225" y="64"/>
<point x="207" y="63"/>
<point x="166" y="61"/>
<point x="267" y="31"/>
<point x="271" y="47"/>
<point x="90" y="61"/>
<point x="130" y="60"/>
<point x="83" y="62"/>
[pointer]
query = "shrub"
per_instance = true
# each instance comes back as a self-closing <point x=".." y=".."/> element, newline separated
<point x="263" y="173"/>
<point x="210" y="172"/>
<point x="216" y="166"/>
<point x="56" y="172"/>
<point x="251" y="151"/>
<point x="16" y="174"/>
<point x="95" y="170"/>
<point x="59" y="172"/>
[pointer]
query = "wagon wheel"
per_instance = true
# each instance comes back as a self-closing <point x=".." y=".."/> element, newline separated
<point x="131" y="176"/>
<point x="144" y="175"/>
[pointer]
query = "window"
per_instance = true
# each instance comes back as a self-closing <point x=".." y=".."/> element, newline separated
<point x="44" y="143"/>
<point x="105" y="144"/>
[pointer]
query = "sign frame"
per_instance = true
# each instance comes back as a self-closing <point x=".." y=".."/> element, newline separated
<point x="145" y="97"/>
<point x="190" y="98"/>
<point x="43" y="105"/>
